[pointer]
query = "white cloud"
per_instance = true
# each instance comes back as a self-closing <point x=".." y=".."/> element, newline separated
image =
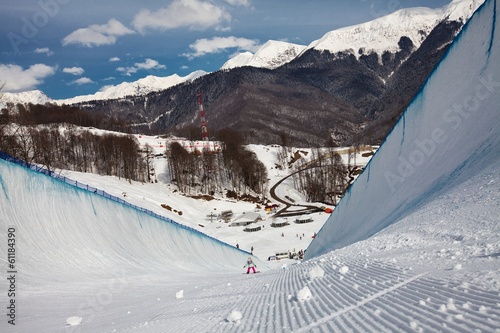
<point x="96" y="35"/>
<point x="196" y="14"/>
<point x="113" y="59"/>
<point x="218" y="44"/>
<point x="73" y="70"/>
<point x="244" y="3"/>
<point x="82" y="80"/>
<point x="44" y="50"/>
<point x="147" y="64"/>
<point x="18" y="79"/>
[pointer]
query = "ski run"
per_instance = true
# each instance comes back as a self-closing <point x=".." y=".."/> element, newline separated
<point x="412" y="247"/>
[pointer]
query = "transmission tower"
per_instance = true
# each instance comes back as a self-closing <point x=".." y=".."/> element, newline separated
<point x="204" y="131"/>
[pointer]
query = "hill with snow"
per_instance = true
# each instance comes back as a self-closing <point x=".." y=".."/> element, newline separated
<point x="413" y="246"/>
<point x="270" y="55"/>
<point x="384" y="34"/>
<point x="378" y="36"/>
<point x="142" y="86"/>
<point x="26" y="97"/>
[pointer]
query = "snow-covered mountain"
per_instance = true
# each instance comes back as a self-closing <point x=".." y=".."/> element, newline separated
<point x="384" y="33"/>
<point x="271" y="55"/>
<point x="377" y="36"/>
<point x="25" y="97"/>
<point x="140" y="87"/>
<point x="239" y="60"/>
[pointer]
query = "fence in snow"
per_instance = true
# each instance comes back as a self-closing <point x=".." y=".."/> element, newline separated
<point x="102" y="193"/>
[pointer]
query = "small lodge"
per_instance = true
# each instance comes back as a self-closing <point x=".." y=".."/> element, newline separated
<point x="279" y="223"/>
<point x="246" y="219"/>
<point x="253" y="228"/>
<point x="304" y="219"/>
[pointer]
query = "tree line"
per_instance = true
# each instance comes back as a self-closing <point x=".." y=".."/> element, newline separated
<point x="323" y="179"/>
<point x="37" y="114"/>
<point x="234" y="167"/>
<point x="47" y="135"/>
<point x="53" y="136"/>
<point x="50" y="135"/>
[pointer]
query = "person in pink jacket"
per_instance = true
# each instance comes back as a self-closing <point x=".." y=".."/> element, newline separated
<point x="250" y="264"/>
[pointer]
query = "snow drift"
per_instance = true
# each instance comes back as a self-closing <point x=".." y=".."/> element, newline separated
<point x="449" y="133"/>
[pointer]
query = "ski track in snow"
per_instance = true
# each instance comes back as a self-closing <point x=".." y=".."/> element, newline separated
<point x="372" y="297"/>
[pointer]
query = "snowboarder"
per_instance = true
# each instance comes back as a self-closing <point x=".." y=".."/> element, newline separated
<point x="250" y="264"/>
<point x="237" y="245"/>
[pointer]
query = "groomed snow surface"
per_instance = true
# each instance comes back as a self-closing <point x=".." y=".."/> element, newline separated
<point x="418" y="253"/>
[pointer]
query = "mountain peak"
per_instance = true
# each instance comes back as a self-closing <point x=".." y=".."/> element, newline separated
<point x="25" y="97"/>
<point x="271" y="55"/>
<point x="461" y="9"/>
<point x="239" y="60"/>
<point x="383" y="34"/>
<point x="142" y="86"/>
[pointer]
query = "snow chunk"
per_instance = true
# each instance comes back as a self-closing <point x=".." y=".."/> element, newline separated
<point x="74" y="320"/>
<point x="344" y="270"/>
<point x="316" y="272"/>
<point x="304" y="294"/>
<point x="179" y="294"/>
<point x="457" y="267"/>
<point x="234" y="317"/>
<point x="451" y="304"/>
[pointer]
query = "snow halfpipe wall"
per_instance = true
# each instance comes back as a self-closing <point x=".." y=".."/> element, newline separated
<point x="65" y="233"/>
<point x="450" y="131"/>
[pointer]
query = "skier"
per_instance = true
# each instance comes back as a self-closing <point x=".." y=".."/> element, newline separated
<point x="250" y="265"/>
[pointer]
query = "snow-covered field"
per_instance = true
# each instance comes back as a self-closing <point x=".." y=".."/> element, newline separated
<point x="418" y="253"/>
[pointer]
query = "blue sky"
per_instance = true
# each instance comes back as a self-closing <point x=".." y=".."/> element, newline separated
<point x="70" y="47"/>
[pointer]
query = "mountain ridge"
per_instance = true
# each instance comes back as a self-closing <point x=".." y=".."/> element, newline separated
<point x="319" y="96"/>
<point x="377" y="36"/>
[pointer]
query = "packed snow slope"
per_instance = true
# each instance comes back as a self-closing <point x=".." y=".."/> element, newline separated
<point x="67" y="233"/>
<point x="431" y="194"/>
<point x="449" y="133"/>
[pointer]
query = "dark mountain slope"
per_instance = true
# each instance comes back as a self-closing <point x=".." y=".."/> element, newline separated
<point x="317" y="97"/>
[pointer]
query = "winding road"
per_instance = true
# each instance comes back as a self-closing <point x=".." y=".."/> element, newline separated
<point x="307" y="209"/>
